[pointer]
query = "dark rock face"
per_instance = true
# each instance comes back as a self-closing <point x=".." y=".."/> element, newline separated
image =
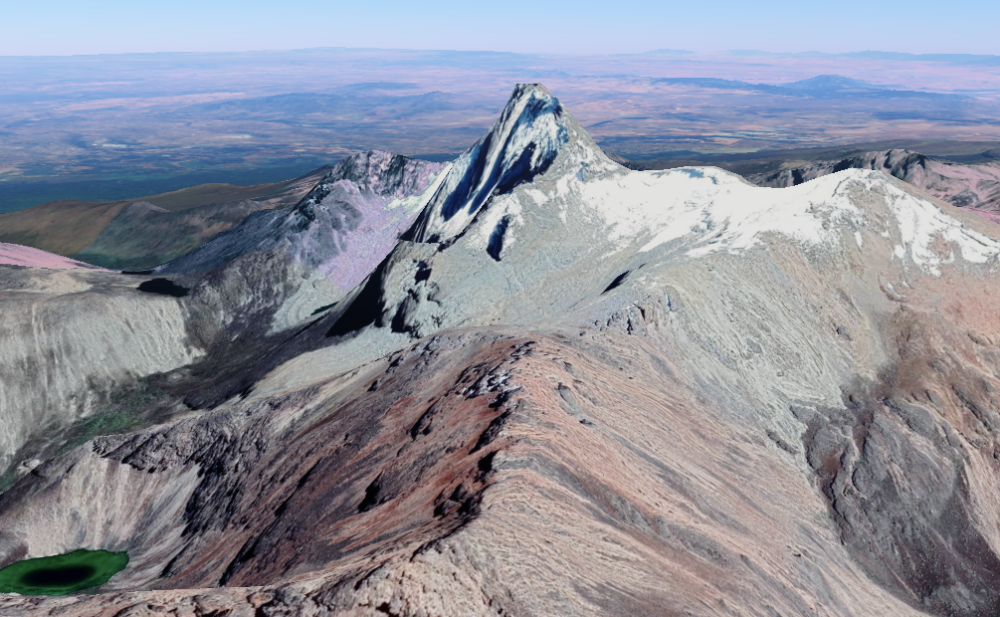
<point x="894" y="465"/>
<point x="901" y="499"/>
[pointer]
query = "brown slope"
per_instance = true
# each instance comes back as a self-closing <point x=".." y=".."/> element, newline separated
<point x="216" y="193"/>
<point x="62" y="227"/>
<point x="143" y="236"/>
<point x="205" y="194"/>
<point x="69" y="227"/>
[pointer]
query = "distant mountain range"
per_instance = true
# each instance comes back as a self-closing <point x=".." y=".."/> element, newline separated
<point x="89" y="128"/>
<point x="821" y="86"/>
<point x="963" y="59"/>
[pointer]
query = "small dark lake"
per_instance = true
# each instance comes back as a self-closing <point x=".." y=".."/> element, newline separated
<point x="61" y="574"/>
<point x="59" y="577"/>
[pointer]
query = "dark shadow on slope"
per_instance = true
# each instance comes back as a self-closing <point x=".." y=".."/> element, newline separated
<point x="496" y="238"/>
<point x="617" y="282"/>
<point x="232" y="367"/>
<point x="365" y="309"/>
<point x="164" y="287"/>
<point x="500" y="180"/>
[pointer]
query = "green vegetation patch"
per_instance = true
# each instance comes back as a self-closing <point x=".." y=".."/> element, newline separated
<point x="61" y="574"/>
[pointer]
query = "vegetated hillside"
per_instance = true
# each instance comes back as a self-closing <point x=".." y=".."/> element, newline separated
<point x="128" y="235"/>
<point x="60" y="227"/>
<point x="568" y="389"/>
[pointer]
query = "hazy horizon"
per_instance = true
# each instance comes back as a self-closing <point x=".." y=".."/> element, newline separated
<point x="586" y="27"/>
<point x="932" y="56"/>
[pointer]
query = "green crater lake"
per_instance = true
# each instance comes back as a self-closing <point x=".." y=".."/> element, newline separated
<point x="61" y="574"/>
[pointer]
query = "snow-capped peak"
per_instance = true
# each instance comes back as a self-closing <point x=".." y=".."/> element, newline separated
<point x="524" y="142"/>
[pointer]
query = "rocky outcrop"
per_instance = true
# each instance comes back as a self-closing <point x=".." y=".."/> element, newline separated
<point x="571" y="389"/>
<point x="377" y="192"/>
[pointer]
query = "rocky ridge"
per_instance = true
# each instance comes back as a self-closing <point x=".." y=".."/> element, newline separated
<point x="974" y="186"/>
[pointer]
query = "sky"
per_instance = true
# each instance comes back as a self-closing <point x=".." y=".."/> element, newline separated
<point x="71" y="27"/>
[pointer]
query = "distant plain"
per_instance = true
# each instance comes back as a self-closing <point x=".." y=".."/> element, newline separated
<point x="105" y="128"/>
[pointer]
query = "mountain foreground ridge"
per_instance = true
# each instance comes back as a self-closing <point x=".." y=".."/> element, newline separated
<point x="559" y="388"/>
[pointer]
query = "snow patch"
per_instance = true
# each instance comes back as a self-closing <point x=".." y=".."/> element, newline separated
<point x="509" y="208"/>
<point x="930" y="233"/>
<point x="712" y="210"/>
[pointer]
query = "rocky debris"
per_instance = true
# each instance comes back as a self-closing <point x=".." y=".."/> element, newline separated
<point x="657" y="393"/>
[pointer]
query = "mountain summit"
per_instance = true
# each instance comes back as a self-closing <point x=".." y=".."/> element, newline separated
<point x="832" y="83"/>
<point x="533" y="133"/>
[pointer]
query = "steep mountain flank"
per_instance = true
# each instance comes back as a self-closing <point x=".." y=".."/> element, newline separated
<point x="568" y="389"/>
<point x="113" y="350"/>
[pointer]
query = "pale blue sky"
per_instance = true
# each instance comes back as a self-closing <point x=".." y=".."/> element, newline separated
<point x="65" y="27"/>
